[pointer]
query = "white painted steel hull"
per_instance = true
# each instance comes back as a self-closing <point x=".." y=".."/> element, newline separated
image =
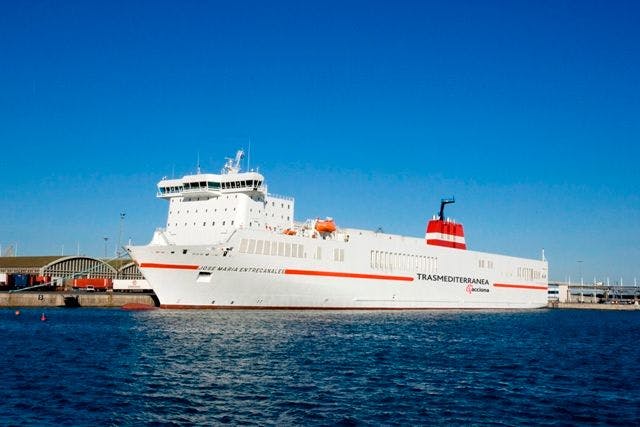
<point x="223" y="276"/>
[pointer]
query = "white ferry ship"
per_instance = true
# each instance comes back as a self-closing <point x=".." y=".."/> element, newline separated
<point x="229" y="243"/>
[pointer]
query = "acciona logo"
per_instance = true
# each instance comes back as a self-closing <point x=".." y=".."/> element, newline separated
<point x="470" y="289"/>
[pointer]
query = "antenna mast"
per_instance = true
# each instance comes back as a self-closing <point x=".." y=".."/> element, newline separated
<point x="233" y="165"/>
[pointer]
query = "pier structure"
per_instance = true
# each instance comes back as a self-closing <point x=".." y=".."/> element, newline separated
<point x="595" y="293"/>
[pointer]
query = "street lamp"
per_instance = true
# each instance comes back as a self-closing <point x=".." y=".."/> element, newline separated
<point x="122" y="214"/>
<point x="580" y="271"/>
<point x="105" y="247"/>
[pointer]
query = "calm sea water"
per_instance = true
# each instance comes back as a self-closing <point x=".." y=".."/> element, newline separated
<point x="112" y="367"/>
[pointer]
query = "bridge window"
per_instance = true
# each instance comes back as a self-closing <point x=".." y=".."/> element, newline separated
<point x="214" y="185"/>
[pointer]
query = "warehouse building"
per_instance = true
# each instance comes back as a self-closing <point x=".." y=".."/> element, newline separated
<point x="59" y="271"/>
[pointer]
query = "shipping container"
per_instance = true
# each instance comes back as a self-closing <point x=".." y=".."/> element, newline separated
<point x="41" y="280"/>
<point x="135" y="285"/>
<point x="20" y="280"/>
<point x="57" y="282"/>
<point x="96" y="283"/>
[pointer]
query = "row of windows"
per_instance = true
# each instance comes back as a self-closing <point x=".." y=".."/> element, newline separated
<point x="266" y="247"/>
<point x="206" y="210"/>
<point x="294" y="250"/>
<point x="204" y="224"/>
<point x="381" y="260"/>
<point x="529" y="273"/>
<point x="239" y="184"/>
<point x="210" y="185"/>
<point x="485" y="263"/>
<point x="234" y="209"/>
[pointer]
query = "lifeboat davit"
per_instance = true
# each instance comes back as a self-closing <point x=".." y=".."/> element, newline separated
<point x="326" y="226"/>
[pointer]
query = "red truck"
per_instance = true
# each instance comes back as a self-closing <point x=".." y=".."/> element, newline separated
<point x="93" y="284"/>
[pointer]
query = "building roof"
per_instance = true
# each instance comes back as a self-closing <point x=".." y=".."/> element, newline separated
<point x="28" y="261"/>
<point x="42" y="261"/>
<point x="118" y="263"/>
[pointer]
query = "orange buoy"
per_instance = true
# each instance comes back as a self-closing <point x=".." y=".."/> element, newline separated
<point x="326" y="226"/>
<point x="43" y="317"/>
<point x="17" y="312"/>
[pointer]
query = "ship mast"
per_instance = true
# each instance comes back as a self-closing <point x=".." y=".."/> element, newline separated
<point x="233" y="165"/>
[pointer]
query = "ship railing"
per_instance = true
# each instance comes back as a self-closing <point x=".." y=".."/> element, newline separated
<point x="278" y="196"/>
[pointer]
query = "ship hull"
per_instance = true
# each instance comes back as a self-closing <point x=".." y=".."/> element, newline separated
<point x="347" y="277"/>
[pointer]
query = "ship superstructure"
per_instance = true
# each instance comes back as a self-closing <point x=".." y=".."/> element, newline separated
<point x="229" y="243"/>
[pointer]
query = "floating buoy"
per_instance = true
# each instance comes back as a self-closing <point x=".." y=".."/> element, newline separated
<point x="17" y="312"/>
<point x="43" y="317"/>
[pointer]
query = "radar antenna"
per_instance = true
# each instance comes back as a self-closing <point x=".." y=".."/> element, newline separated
<point x="233" y="165"/>
<point x="444" y="202"/>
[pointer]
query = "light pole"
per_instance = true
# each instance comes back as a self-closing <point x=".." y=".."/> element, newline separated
<point x="580" y="271"/>
<point x="105" y="247"/>
<point x="122" y="214"/>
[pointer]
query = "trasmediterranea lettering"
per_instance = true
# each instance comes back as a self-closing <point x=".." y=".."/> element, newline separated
<point x="452" y="279"/>
<point x="242" y="269"/>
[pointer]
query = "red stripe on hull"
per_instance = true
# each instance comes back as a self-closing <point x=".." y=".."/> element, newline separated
<point x="173" y="266"/>
<point x="348" y="275"/>
<point x="535" y="287"/>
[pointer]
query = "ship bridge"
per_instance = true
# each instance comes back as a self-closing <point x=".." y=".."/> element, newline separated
<point x="205" y="207"/>
<point x="212" y="185"/>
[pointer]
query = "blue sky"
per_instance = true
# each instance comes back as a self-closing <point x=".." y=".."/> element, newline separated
<point x="370" y="112"/>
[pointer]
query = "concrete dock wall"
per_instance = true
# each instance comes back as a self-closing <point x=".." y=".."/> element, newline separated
<point x="86" y="299"/>
<point x="593" y="306"/>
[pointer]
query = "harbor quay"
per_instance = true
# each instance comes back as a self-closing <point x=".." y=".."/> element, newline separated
<point x="77" y="299"/>
<point x="72" y="281"/>
<point x="595" y="296"/>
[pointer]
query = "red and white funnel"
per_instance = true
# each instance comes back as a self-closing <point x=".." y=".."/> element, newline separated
<point x="446" y="233"/>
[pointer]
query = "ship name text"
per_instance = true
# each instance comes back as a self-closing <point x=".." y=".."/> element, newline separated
<point x="242" y="269"/>
<point x="452" y="279"/>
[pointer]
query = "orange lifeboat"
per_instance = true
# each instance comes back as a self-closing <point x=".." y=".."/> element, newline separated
<point x="289" y="232"/>
<point x="326" y="226"/>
